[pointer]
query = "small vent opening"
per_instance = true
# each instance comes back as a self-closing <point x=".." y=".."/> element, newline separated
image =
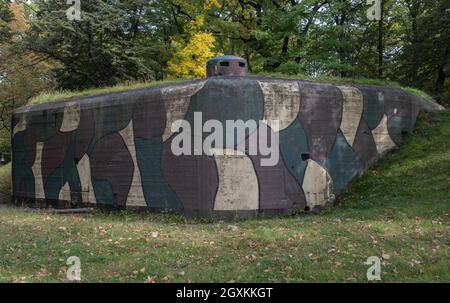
<point x="305" y="157"/>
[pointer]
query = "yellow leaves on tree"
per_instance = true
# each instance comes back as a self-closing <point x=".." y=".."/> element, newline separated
<point x="212" y="3"/>
<point x="190" y="61"/>
<point x="19" y="24"/>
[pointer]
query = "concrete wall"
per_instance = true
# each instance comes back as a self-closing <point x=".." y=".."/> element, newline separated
<point x="114" y="150"/>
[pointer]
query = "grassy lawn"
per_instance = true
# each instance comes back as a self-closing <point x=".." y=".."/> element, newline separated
<point x="398" y="211"/>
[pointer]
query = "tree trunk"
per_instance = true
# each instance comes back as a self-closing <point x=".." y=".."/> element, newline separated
<point x="442" y="74"/>
<point x="285" y="48"/>
<point x="440" y="80"/>
<point x="380" y="45"/>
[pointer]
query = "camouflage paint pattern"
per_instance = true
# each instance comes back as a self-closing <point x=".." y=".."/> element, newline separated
<point x="114" y="150"/>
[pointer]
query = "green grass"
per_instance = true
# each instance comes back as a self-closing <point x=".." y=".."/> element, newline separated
<point x="398" y="211"/>
<point x="54" y="96"/>
<point x="341" y="80"/>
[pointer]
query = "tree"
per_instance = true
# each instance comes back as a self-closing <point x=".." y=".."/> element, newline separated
<point x="24" y="74"/>
<point x="189" y="61"/>
<point x="120" y="41"/>
<point x="5" y="17"/>
<point x="424" y="60"/>
<point x="112" y="43"/>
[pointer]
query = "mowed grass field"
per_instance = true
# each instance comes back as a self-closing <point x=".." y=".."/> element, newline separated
<point x="399" y="211"/>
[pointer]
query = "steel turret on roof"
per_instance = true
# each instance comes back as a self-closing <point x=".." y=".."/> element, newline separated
<point x="226" y="66"/>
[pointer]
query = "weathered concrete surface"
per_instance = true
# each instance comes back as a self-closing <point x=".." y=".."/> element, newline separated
<point x="114" y="150"/>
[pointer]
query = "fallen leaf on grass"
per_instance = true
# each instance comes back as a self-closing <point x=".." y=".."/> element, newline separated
<point x="150" y="280"/>
<point x="233" y="227"/>
<point x="181" y="273"/>
<point x="165" y="279"/>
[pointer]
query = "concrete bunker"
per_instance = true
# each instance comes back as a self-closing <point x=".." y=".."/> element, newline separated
<point x="113" y="150"/>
